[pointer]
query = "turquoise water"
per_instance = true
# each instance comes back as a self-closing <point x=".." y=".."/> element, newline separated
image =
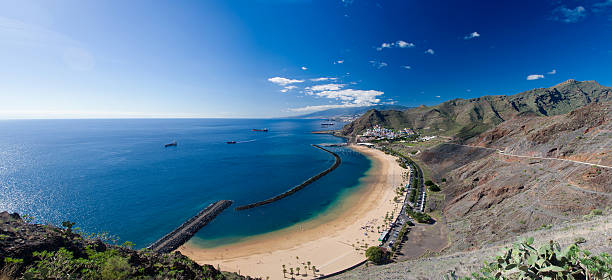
<point x="115" y="176"/>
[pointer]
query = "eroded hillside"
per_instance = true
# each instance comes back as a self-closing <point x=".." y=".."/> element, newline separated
<point x="492" y="196"/>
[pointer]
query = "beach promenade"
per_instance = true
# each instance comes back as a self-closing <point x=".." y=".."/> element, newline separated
<point x="333" y="241"/>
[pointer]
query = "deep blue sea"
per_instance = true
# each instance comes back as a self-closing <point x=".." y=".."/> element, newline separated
<point x="116" y="176"/>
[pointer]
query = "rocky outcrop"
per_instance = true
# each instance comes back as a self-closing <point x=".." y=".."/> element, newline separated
<point x="21" y="243"/>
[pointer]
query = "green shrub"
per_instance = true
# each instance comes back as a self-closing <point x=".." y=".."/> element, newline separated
<point x="115" y="267"/>
<point x="61" y="264"/>
<point x="434" y="188"/>
<point x="429" y="183"/>
<point x="549" y="261"/>
<point x="10" y="260"/>
<point x="377" y="255"/>
<point x="419" y="217"/>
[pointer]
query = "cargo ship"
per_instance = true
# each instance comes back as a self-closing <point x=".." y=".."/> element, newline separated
<point x="262" y="130"/>
<point x="173" y="144"/>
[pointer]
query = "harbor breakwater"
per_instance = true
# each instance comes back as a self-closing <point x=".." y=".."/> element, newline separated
<point x="188" y="229"/>
<point x="298" y="187"/>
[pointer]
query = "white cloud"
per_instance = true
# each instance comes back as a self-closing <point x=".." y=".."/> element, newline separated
<point x="567" y="15"/>
<point x="378" y="64"/>
<point x="322" y="79"/>
<point x="339" y="61"/>
<point x="554" y="71"/>
<point x="347" y="97"/>
<point x="400" y="44"/>
<point x="471" y="35"/>
<point x="535" y="77"/>
<point x="288" y="88"/>
<point x="430" y="51"/>
<point x="437" y="96"/>
<point x="284" y="81"/>
<point x="314" y="108"/>
<point x="326" y="87"/>
<point x="404" y="44"/>
<point x="304" y="68"/>
<point x="384" y="46"/>
<point x="407" y="67"/>
<point x="468" y="90"/>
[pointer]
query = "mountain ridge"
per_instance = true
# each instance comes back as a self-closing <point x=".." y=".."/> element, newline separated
<point x="465" y="118"/>
<point x="348" y="112"/>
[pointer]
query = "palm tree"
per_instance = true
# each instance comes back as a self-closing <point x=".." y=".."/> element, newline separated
<point x="284" y="271"/>
<point x="298" y="270"/>
<point x="314" y="271"/>
<point x="291" y="270"/>
<point x="308" y="262"/>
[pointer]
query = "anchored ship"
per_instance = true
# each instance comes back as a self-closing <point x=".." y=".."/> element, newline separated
<point x="173" y="144"/>
<point x="262" y="130"/>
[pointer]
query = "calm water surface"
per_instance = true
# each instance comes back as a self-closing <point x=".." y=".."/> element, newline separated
<point x="115" y="176"/>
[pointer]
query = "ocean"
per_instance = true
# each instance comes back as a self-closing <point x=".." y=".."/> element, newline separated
<point x="116" y="176"/>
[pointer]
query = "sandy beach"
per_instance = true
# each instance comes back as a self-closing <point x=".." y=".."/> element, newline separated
<point x="334" y="241"/>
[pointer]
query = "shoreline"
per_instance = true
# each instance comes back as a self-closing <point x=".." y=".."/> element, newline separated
<point x="332" y="241"/>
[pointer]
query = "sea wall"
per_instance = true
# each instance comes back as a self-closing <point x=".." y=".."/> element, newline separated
<point x="298" y="187"/>
<point x="188" y="229"/>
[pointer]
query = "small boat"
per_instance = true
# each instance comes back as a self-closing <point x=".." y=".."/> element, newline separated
<point x="230" y="142"/>
<point x="261" y="130"/>
<point x="173" y="144"/>
<point x="327" y="124"/>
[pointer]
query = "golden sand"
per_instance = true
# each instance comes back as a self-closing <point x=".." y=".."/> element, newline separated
<point x="331" y="242"/>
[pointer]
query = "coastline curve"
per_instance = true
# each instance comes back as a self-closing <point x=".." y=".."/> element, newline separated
<point x="298" y="187"/>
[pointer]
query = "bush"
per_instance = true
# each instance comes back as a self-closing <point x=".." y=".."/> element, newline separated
<point x="419" y="217"/>
<point x="62" y="264"/>
<point x="434" y="188"/>
<point x="377" y="255"/>
<point x="429" y="183"/>
<point x="115" y="267"/>
<point x="523" y="261"/>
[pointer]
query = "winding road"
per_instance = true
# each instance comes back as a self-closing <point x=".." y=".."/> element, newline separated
<point x="533" y="157"/>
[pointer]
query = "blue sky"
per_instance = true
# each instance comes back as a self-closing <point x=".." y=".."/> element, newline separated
<point x="256" y="58"/>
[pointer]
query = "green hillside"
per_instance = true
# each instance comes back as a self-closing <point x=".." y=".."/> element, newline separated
<point x="465" y="118"/>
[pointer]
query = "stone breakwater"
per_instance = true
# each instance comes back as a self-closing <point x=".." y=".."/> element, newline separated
<point x="298" y="187"/>
<point x="188" y="229"/>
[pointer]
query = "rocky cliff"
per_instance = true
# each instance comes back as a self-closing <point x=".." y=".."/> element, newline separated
<point x="34" y="251"/>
